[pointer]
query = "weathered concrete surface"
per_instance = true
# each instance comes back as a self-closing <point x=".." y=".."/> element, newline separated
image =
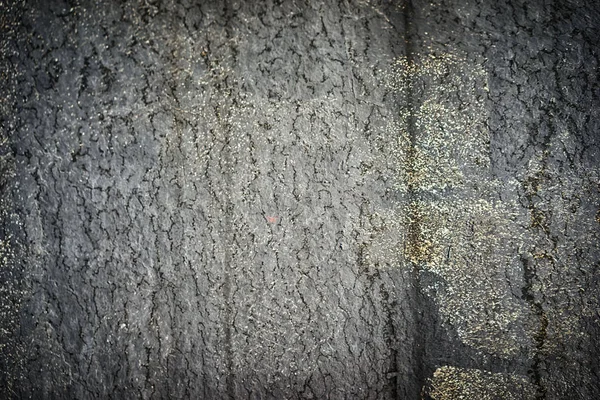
<point x="300" y="199"/>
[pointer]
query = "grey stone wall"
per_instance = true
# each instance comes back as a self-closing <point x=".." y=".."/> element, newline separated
<point x="299" y="199"/>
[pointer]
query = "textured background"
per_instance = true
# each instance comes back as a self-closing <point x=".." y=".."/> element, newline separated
<point x="299" y="199"/>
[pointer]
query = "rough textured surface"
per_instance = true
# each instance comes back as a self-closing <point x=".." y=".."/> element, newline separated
<point x="299" y="199"/>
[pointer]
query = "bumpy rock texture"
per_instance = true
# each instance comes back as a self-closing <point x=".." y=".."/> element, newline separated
<point x="299" y="199"/>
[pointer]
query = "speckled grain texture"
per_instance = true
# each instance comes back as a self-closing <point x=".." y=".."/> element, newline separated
<point x="299" y="199"/>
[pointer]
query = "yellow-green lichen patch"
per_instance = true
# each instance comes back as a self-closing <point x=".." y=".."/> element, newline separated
<point x="442" y="103"/>
<point x="456" y="225"/>
<point x="471" y="244"/>
<point x="451" y="383"/>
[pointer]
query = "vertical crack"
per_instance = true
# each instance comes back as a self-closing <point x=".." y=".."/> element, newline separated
<point x="540" y="336"/>
<point x="538" y="221"/>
